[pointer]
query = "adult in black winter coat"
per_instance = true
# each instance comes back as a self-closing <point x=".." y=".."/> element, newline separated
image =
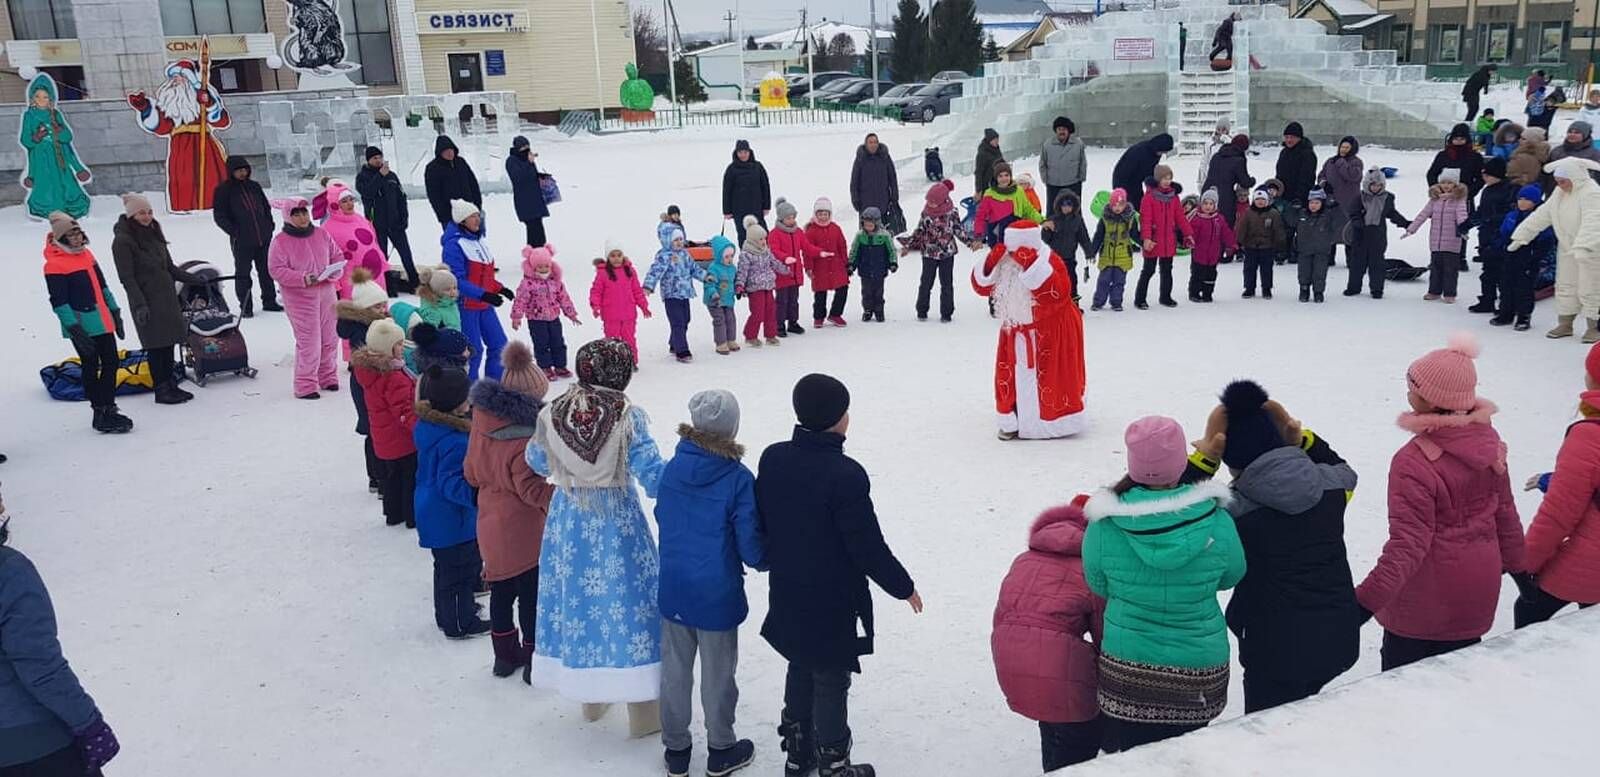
<point x="989" y="154"/>
<point x="1230" y="170"/>
<point x="1477" y="84"/>
<point x="1297" y="165"/>
<point x="384" y="200"/>
<point x="1459" y="153"/>
<point x="1222" y="39"/>
<point x="873" y="182"/>
<point x="240" y="208"/>
<point x="1138" y="163"/>
<point x="745" y="189"/>
<point x="1295" y="613"/>
<point x="149" y="277"/>
<point x="524" y="174"/>
<point x="449" y="177"/>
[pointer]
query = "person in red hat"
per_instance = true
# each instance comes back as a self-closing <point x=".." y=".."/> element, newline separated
<point x="1039" y="370"/>
<point x="938" y="236"/>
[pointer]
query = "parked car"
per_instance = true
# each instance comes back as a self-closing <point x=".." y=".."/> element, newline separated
<point x="930" y="101"/>
<point x="801" y="84"/>
<point x="856" y="94"/>
<point x="897" y="95"/>
<point x="945" y="76"/>
<point x="831" y="91"/>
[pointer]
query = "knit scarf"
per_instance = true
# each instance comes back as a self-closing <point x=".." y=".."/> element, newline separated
<point x="1006" y="191"/>
<point x="1375" y="205"/>
<point x="786" y="228"/>
<point x="294" y="231"/>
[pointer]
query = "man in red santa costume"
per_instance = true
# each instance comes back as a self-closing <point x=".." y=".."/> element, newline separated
<point x="1039" y="373"/>
<point x="188" y="115"/>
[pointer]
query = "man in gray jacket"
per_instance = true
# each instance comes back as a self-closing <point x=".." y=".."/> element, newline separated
<point x="1062" y="162"/>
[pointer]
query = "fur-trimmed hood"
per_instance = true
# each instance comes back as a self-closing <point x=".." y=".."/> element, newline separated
<point x="348" y="310"/>
<point x="1469" y="437"/>
<point x="716" y="446"/>
<point x="513" y="407"/>
<point x="425" y="412"/>
<point x="701" y="460"/>
<point x="1165" y="529"/>
<point x="1423" y="423"/>
<point x="1447" y="190"/>
<point x="366" y="358"/>
<point x="1106" y="503"/>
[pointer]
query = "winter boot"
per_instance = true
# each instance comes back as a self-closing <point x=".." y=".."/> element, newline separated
<point x="796" y="329"/>
<point x="724" y="762"/>
<point x="733" y="345"/>
<point x="1485" y="305"/>
<point x="1592" y="333"/>
<point x="799" y="744"/>
<point x="508" y="657"/>
<point x="1563" y="328"/>
<point x="782" y="332"/>
<point x="722" y="348"/>
<point x="477" y="628"/>
<point x="774" y="341"/>
<point x="563" y="372"/>
<point x="1266" y="293"/>
<point x="527" y="661"/>
<point x="866" y="318"/>
<point x="1317" y="297"/>
<point x="837" y="321"/>
<point x="167" y="394"/>
<point x="1352" y="292"/>
<point x="678" y="762"/>
<point x="817" y="323"/>
<point x="108" y="420"/>
<point x="835" y="762"/>
<point x="271" y="306"/>
<point x="878" y="316"/>
<point x="1501" y="319"/>
<point x="1524" y="323"/>
<point x="644" y="719"/>
<point x="753" y="342"/>
<point x="1305" y="293"/>
<point x="594" y="712"/>
<point x="1430" y="297"/>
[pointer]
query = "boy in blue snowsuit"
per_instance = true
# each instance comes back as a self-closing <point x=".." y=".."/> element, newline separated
<point x="1521" y="269"/>
<point x="467" y="254"/>
<point x="675" y="271"/>
<point x="445" y="505"/>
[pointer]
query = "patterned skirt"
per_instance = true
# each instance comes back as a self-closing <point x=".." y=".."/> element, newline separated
<point x="1149" y="693"/>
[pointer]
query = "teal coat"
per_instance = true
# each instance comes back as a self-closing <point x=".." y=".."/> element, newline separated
<point x="718" y="284"/>
<point x="1159" y="558"/>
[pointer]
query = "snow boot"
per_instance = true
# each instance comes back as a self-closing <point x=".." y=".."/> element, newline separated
<point x="1591" y="334"/>
<point x="1352" y="292"/>
<point x="1305" y="293"/>
<point x="1266" y="293"/>
<point x="1430" y="297"/>
<point x="644" y="719"/>
<point x="878" y="316"/>
<point x="1485" y="305"/>
<point x="508" y="656"/>
<point x="817" y="323"/>
<point x="271" y="306"/>
<point x="102" y="425"/>
<point x="594" y="712"/>
<point x="1563" y="328"/>
<point x="1501" y="319"/>
<point x="835" y="762"/>
<point x="773" y="341"/>
<point x="866" y="318"/>
<point x="168" y="394"/>
<point x="1318" y="298"/>
<point x="475" y="629"/>
<point x="796" y="329"/>
<point x="678" y="762"/>
<point x="1248" y="294"/>
<point x="837" y="321"/>
<point x="527" y="661"/>
<point x="799" y="743"/>
<point x="1141" y="305"/>
<point x="782" y="332"/>
<point x="685" y="358"/>
<point x="720" y="763"/>
<point x="1169" y="303"/>
<point x="1449" y="300"/>
<point x="733" y="345"/>
<point x="1377" y="295"/>
<point x="753" y="342"/>
<point x="1524" y="323"/>
<point x="722" y="348"/>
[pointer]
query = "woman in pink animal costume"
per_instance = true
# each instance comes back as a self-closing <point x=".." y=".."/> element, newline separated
<point x="296" y="260"/>
<point x="356" y="237"/>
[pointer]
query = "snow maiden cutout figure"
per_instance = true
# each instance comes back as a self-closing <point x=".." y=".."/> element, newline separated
<point x="1039" y="372"/>
<point x="187" y="110"/>
<point x="316" y="43"/>
<point x="54" y="176"/>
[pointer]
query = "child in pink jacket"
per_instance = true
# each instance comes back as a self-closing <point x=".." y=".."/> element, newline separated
<point x="1447" y="211"/>
<point x="1453" y="525"/>
<point x="1213" y="239"/>
<point x="542" y="299"/>
<point x="1047" y="669"/>
<point x="617" y="299"/>
<point x="296" y="260"/>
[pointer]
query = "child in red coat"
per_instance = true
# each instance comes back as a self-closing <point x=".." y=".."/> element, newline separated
<point x="788" y="241"/>
<point x="1213" y="239"/>
<point x="1161" y="225"/>
<point x="390" y="395"/>
<point x="1047" y="669"/>
<point x="829" y="272"/>
<point x="617" y="298"/>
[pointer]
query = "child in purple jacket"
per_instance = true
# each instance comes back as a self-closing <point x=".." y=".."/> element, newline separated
<point x="1447" y="210"/>
<point x="1213" y="239"/>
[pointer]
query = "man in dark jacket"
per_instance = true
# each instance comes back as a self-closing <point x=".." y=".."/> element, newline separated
<point x="525" y="190"/>
<point x="989" y="154"/>
<point x="449" y="177"/>
<point x="823" y="543"/>
<point x="1459" y="153"/>
<point x="1477" y="84"/>
<point x="873" y="182"/>
<point x="240" y="208"/>
<point x="1297" y="165"/>
<point x="1230" y="172"/>
<point x="745" y="189"/>
<point x="1138" y="163"/>
<point x="387" y="209"/>
<point x="1295" y="613"/>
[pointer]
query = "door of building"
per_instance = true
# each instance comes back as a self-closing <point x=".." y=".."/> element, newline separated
<point x="466" y="73"/>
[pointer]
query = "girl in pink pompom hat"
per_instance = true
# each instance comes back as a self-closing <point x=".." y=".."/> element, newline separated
<point x="1453" y="525"/>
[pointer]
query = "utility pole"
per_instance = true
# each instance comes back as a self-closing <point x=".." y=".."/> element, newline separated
<point x="672" y="64"/>
<point x="811" y="67"/>
<point x="739" y="41"/>
<point x="872" y="29"/>
<point x="729" y="17"/>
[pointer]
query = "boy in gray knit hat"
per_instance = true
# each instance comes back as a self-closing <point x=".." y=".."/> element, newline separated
<point x="709" y="531"/>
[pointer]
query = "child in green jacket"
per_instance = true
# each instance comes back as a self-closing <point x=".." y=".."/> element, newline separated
<point x="1116" y="240"/>
<point x="873" y="256"/>
<point x="438" y="291"/>
<point x="1159" y="551"/>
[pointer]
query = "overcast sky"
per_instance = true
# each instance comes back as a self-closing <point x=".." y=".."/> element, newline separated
<point x="702" y="16"/>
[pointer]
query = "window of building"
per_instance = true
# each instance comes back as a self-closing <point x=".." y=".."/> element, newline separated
<point x="1446" y="42"/>
<point x="1549" y="42"/>
<point x="1494" y="42"/>
<point x="368" y="41"/>
<point x="212" y="17"/>
<point x="1400" y="41"/>
<point x="42" y="20"/>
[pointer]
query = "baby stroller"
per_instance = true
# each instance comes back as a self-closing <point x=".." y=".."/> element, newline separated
<point x="214" y="343"/>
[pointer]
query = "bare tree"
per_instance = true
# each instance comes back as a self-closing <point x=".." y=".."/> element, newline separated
<point x="840" y="53"/>
<point x="649" y="42"/>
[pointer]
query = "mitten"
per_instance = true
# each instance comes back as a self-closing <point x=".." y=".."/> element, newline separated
<point x="1366" y="615"/>
<point x="1527" y="584"/>
<point x="506" y="292"/>
<point x="141" y="316"/>
<point x="98" y="743"/>
<point x="116" y="320"/>
<point x="491" y="298"/>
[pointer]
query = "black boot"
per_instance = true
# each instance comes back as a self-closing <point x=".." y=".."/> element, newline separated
<point x="796" y="329"/>
<point x="1524" y="323"/>
<point x="833" y="762"/>
<point x="1501" y="319"/>
<point x="108" y="420"/>
<point x="247" y="309"/>
<point x="1485" y="305"/>
<point x="1317" y="297"/>
<point x="168" y="394"/>
<point x="271" y="305"/>
<point x="798" y="743"/>
<point x="1305" y="293"/>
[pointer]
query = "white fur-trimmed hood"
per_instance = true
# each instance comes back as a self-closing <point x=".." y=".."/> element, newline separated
<point x="1105" y="503"/>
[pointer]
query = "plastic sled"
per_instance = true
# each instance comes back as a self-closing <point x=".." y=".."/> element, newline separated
<point x="1390" y="172"/>
<point x="1099" y="203"/>
<point x="1220" y="65"/>
<point x="1400" y="270"/>
<point x="64" y="379"/>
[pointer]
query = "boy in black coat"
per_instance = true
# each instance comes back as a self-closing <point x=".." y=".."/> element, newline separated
<point x="1065" y="233"/>
<point x="1498" y="198"/>
<point x="823" y="543"/>
<point x="1295" y="613"/>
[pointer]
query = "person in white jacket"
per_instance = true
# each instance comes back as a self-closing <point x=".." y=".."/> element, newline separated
<point x="1573" y="211"/>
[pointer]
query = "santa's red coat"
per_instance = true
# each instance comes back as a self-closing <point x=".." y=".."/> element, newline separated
<point x="1055" y="337"/>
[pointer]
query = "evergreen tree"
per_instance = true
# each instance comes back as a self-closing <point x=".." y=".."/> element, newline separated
<point x="955" y="37"/>
<point x="991" y="51"/>
<point x="689" y="87"/>
<point x="909" y="61"/>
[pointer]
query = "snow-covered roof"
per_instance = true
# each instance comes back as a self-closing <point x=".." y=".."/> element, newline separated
<point x="827" y="30"/>
<point x="1007" y="35"/>
<point x="1344" y="9"/>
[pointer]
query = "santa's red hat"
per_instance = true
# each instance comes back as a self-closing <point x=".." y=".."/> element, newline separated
<point x="1025" y="234"/>
<point x="187" y="68"/>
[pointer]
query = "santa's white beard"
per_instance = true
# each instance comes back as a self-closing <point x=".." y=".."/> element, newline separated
<point x="1013" y="302"/>
<point x="178" y="101"/>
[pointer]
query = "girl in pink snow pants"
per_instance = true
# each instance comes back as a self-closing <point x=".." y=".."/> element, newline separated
<point x="617" y="298"/>
<point x="298" y="256"/>
<point x="757" y="278"/>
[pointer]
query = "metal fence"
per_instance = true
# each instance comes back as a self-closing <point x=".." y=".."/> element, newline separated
<point x="747" y="117"/>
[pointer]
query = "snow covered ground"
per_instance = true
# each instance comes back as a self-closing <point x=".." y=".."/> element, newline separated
<point x="228" y="592"/>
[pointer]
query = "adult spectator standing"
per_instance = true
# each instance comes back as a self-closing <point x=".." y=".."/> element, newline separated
<point x="1221" y="136"/>
<point x="1537" y="80"/>
<point x="1063" y="162"/>
<point x="1579" y="143"/>
<point x="449" y="177"/>
<point x="150" y="279"/>
<point x="1222" y="40"/>
<point x="1228" y="174"/>
<point x="240" y="208"/>
<point x="1297" y="165"/>
<point x="989" y="154"/>
<point x="1341" y="173"/>
<point x="387" y="209"/>
<point x="1137" y="164"/>
<point x="745" y="189"/>
<point x="1459" y="154"/>
<point x="1573" y="211"/>
<point x="873" y="183"/>
<point x="1477" y="84"/>
<point x="524" y="174"/>
<point x="48" y="724"/>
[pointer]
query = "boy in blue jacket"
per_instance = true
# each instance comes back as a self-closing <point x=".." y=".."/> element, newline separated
<point x="675" y="271"/>
<point x="706" y="511"/>
<point x="1521" y="268"/>
<point x="446" y="508"/>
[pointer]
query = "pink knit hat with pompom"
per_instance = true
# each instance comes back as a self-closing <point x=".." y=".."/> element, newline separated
<point x="1447" y="378"/>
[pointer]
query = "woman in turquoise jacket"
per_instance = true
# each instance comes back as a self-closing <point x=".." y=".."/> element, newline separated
<point x="1159" y="552"/>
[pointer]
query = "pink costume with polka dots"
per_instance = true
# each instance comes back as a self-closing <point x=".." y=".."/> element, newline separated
<point x="357" y="240"/>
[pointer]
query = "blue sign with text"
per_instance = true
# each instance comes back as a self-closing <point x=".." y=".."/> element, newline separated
<point x="494" y="62"/>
